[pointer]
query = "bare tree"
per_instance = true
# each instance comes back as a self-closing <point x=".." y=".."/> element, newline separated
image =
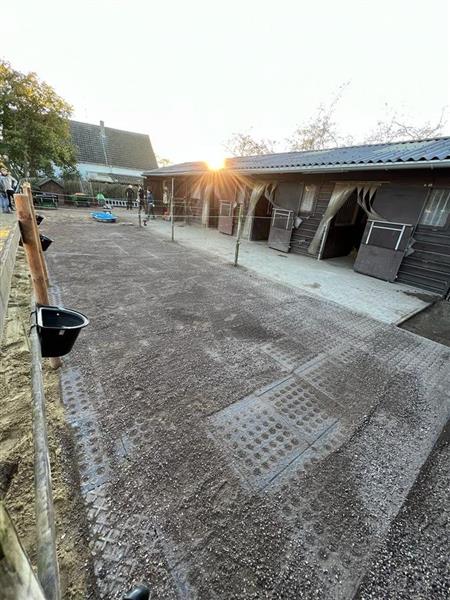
<point x="244" y="144"/>
<point x="321" y="130"/>
<point x="163" y="162"/>
<point x="394" y="127"/>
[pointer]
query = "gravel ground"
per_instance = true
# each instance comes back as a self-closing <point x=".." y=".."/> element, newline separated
<point x="236" y="438"/>
<point x="414" y="561"/>
<point x="433" y="322"/>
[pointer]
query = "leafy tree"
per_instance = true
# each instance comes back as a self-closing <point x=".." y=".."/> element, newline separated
<point x="244" y="144"/>
<point x="34" y="127"/>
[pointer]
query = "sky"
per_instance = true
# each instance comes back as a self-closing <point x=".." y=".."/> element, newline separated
<point x="190" y="73"/>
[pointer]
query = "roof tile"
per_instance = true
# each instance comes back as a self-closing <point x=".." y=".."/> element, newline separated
<point x="117" y="148"/>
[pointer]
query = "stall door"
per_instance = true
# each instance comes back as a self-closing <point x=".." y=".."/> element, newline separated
<point x="383" y="248"/>
<point x="226" y="218"/>
<point x="281" y="229"/>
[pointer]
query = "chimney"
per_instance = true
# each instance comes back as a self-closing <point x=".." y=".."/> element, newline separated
<point x="102" y="128"/>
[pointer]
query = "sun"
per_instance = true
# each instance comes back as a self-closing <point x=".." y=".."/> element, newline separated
<point x="215" y="162"/>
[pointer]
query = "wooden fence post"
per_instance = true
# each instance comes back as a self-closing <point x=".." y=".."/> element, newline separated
<point x="31" y="245"/>
<point x="27" y="190"/>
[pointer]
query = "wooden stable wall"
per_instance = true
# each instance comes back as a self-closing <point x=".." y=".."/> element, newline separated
<point x="400" y="199"/>
<point x="428" y="266"/>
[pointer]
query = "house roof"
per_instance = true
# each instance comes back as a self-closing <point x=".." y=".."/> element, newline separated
<point x="44" y="180"/>
<point x="115" y="178"/>
<point x="113" y="147"/>
<point x="427" y="152"/>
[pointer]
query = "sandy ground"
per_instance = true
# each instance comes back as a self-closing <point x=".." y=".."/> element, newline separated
<point x="236" y="438"/>
<point x="16" y="448"/>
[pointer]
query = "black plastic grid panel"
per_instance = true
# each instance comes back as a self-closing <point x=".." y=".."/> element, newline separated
<point x="259" y="442"/>
<point x="111" y="542"/>
<point x="94" y="467"/>
<point x="328" y="442"/>
<point x="113" y="545"/>
<point x="304" y="407"/>
<point x="287" y="354"/>
<point x="285" y="427"/>
<point x="355" y="396"/>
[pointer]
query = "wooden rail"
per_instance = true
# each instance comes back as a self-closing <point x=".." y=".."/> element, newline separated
<point x="9" y="242"/>
<point x="47" y="560"/>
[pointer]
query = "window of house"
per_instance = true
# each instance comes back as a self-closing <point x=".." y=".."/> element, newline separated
<point x="437" y="209"/>
<point x="307" y="201"/>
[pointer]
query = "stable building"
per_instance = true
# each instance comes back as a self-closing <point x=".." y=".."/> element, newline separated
<point x="385" y="207"/>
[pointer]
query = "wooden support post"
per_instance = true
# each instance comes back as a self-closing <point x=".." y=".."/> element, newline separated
<point x="171" y="210"/>
<point x="238" y="236"/>
<point x="27" y="190"/>
<point x="17" y="578"/>
<point x="30" y="244"/>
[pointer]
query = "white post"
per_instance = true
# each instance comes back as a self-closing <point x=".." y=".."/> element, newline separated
<point x="324" y="239"/>
<point x="238" y="237"/>
<point x="171" y="209"/>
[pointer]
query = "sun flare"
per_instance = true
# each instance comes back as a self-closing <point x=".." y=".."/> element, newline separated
<point x="215" y="163"/>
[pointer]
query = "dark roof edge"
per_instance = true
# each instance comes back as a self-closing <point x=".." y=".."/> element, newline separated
<point x="436" y="164"/>
<point x="115" y="166"/>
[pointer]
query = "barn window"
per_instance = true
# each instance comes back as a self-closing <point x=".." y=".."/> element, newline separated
<point x="308" y="197"/>
<point x="437" y="209"/>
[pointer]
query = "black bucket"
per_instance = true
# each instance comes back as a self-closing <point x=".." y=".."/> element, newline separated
<point x="58" y="328"/>
<point x="39" y="219"/>
<point x="45" y="241"/>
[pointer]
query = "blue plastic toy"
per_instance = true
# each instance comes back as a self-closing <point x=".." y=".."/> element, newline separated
<point x="104" y="217"/>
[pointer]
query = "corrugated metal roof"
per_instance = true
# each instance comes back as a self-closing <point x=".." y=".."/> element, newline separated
<point x="429" y="150"/>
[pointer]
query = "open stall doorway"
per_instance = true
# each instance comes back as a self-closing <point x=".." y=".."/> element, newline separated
<point x="346" y="230"/>
<point x="261" y="220"/>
